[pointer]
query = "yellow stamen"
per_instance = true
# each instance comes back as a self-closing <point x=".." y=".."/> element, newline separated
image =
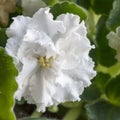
<point x="46" y="62"/>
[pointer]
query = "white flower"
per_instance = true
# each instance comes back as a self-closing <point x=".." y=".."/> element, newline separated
<point x="31" y="6"/>
<point x="114" y="41"/>
<point x="51" y="56"/>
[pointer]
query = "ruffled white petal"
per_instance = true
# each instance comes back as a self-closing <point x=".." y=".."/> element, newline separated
<point x="29" y="68"/>
<point x="43" y="97"/>
<point x="36" y="44"/>
<point x="46" y="24"/>
<point x="18" y="27"/>
<point x="73" y="55"/>
<point x="114" y="41"/>
<point x="68" y="19"/>
<point x="72" y="24"/>
<point x="83" y="72"/>
<point x="69" y="93"/>
<point x="15" y="33"/>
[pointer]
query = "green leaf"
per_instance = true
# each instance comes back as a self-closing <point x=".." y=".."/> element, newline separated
<point x="71" y="104"/>
<point x="90" y="93"/>
<point x="37" y="119"/>
<point x="105" y="54"/>
<point x="101" y="80"/>
<point x="3" y="37"/>
<point x="84" y="3"/>
<point x="113" y="70"/>
<point x="102" y="6"/>
<point x="53" y="109"/>
<point x="68" y="7"/>
<point x="72" y="114"/>
<point x="113" y="91"/>
<point x="103" y="110"/>
<point x="77" y="112"/>
<point x="8" y="86"/>
<point x="19" y="10"/>
<point x="50" y="2"/>
<point x="114" y="17"/>
<point x="91" y="21"/>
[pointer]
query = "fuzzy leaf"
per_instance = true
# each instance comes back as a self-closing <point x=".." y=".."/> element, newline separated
<point x="102" y="110"/>
<point x="3" y="37"/>
<point x="68" y="7"/>
<point x="50" y="2"/>
<point x="91" y="93"/>
<point x="85" y="3"/>
<point x="8" y="86"/>
<point x="114" y="17"/>
<point x="73" y="114"/>
<point x="102" y="6"/>
<point x="105" y="54"/>
<point x="113" y="91"/>
<point x="38" y="119"/>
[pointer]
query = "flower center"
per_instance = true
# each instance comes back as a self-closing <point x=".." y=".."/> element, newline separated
<point x="46" y="62"/>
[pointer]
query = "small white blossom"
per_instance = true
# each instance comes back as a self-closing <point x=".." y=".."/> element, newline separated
<point x="114" y="41"/>
<point x="31" y="6"/>
<point x="52" y="57"/>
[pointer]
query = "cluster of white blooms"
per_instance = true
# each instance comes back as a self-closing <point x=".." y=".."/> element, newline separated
<point x="114" y="41"/>
<point x="52" y="57"/>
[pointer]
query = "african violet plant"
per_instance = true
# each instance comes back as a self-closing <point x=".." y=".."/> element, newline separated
<point x="59" y="59"/>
